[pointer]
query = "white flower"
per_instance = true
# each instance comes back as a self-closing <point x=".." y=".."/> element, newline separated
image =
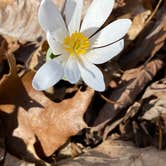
<point x="78" y="45"/>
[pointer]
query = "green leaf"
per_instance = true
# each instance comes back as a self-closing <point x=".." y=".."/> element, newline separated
<point x="50" y="55"/>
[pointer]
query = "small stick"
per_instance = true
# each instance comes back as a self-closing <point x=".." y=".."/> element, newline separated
<point x="108" y="100"/>
<point x="154" y="12"/>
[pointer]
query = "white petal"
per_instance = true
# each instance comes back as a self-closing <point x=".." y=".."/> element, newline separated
<point x="104" y="54"/>
<point x="51" y="20"/>
<point x="72" y="12"/>
<point x="91" y="75"/>
<point x="71" y="70"/>
<point x="56" y="47"/>
<point x="48" y="75"/>
<point x="111" y="33"/>
<point x="96" y="15"/>
<point x="62" y="59"/>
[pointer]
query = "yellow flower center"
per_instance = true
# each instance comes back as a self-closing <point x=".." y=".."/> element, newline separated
<point x="76" y="44"/>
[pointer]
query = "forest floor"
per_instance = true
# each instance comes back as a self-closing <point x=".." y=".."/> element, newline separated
<point x="72" y="125"/>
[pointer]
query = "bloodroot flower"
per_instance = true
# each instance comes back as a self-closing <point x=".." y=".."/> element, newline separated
<point x="77" y="46"/>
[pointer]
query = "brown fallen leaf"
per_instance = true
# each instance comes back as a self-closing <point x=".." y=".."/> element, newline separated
<point x="127" y="92"/>
<point x="155" y="108"/>
<point x="20" y="19"/>
<point x="58" y="121"/>
<point x="11" y="84"/>
<point x="117" y="153"/>
<point x="136" y="11"/>
<point x="3" y="48"/>
<point x="14" y="161"/>
<point x="138" y="24"/>
<point x="122" y="122"/>
<point x="29" y="114"/>
<point x="4" y="3"/>
<point x="148" y="43"/>
<point x="38" y="57"/>
<point x="143" y="116"/>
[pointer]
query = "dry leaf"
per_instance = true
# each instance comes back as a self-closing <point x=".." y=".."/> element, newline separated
<point x="13" y="161"/>
<point x="20" y="19"/>
<point x="137" y="12"/>
<point x="156" y="107"/>
<point x="138" y="24"/>
<point x="148" y="43"/>
<point x="31" y="113"/>
<point x="32" y="126"/>
<point x="118" y="153"/>
<point x="127" y="92"/>
<point x="38" y="57"/>
<point x="3" y="48"/>
<point x="4" y="3"/>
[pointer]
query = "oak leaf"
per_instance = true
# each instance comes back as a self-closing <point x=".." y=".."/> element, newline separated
<point x="28" y="114"/>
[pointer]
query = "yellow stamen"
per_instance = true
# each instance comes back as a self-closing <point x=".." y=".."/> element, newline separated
<point x="76" y="44"/>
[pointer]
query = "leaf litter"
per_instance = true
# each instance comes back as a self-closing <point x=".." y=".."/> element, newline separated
<point x="72" y="124"/>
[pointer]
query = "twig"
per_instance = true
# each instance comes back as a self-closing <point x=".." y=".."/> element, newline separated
<point x="108" y="100"/>
<point x="154" y="12"/>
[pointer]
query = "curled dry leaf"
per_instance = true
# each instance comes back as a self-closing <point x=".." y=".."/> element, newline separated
<point x="138" y="24"/>
<point x="136" y="11"/>
<point x="156" y="107"/>
<point x="130" y="113"/>
<point x="20" y="19"/>
<point x="27" y="113"/>
<point x="117" y="153"/>
<point x="126" y="93"/>
<point x="152" y="108"/>
<point x="148" y="43"/>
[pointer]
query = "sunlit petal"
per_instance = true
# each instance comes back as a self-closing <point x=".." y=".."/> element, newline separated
<point x="50" y="19"/>
<point x="48" y="75"/>
<point x="104" y="54"/>
<point x="56" y="47"/>
<point x="72" y="12"/>
<point x="71" y="70"/>
<point x="91" y="75"/>
<point x="96" y="15"/>
<point x="111" y="33"/>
